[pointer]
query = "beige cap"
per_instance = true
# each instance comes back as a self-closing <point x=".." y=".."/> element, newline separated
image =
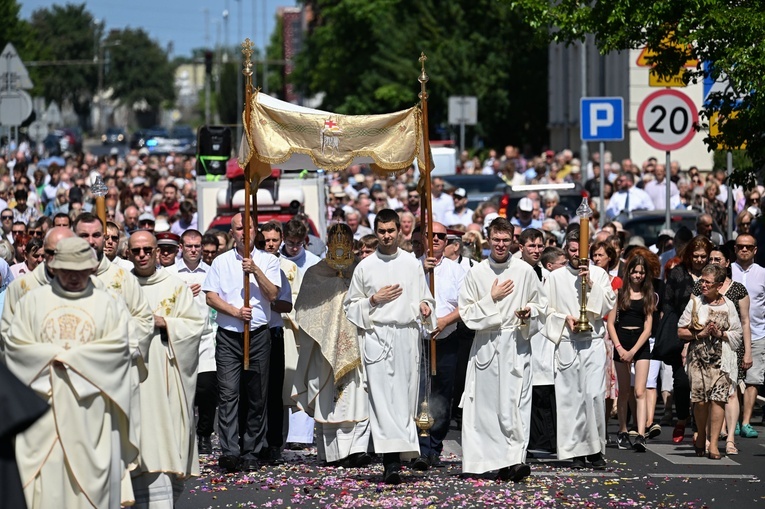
<point x="74" y="253"/>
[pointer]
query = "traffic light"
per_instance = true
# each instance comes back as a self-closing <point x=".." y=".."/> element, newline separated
<point x="208" y="62"/>
<point x="213" y="149"/>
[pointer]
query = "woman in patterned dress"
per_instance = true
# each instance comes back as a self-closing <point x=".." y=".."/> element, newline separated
<point x="713" y="331"/>
<point x="738" y="295"/>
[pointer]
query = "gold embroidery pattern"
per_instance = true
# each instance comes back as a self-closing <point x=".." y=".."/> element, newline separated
<point x="116" y="283"/>
<point x="62" y="325"/>
<point x="166" y="306"/>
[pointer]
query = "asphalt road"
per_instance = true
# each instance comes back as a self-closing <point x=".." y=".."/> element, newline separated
<point x="667" y="476"/>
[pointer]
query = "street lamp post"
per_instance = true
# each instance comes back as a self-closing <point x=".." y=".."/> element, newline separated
<point x="101" y="47"/>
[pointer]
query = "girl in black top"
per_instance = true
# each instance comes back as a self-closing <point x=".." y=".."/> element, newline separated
<point x="629" y="326"/>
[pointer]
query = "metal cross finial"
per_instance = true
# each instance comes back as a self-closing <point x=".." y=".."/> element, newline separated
<point x="423" y="95"/>
<point x="247" y="51"/>
<point x="423" y="77"/>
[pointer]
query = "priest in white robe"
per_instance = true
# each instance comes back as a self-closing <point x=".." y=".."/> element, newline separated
<point x="388" y="299"/>
<point x="41" y="276"/>
<point x="295" y="239"/>
<point x="68" y="342"/>
<point x="167" y="441"/>
<point x="123" y="286"/>
<point x="328" y="383"/>
<point x="580" y="357"/>
<point x="499" y="299"/>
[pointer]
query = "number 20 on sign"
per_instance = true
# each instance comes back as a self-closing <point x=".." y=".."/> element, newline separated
<point x="666" y="120"/>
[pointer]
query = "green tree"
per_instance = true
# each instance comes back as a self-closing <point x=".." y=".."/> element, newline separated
<point x="138" y="71"/>
<point x="67" y="33"/>
<point x="727" y="34"/>
<point x="15" y="30"/>
<point x="362" y="54"/>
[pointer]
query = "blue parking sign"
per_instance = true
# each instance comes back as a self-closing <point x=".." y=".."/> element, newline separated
<point x="601" y="118"/>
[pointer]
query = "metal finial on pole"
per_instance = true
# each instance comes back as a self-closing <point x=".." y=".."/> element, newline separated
<point x="428" y="202"/>
<point x="423" y="79"/>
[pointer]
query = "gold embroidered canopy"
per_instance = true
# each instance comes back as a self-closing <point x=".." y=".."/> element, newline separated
<point x="294" y="137"/>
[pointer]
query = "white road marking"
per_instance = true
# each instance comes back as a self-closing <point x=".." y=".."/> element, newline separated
<point x="684" y="455"/>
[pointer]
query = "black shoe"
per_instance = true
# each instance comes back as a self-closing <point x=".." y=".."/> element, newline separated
<point x="435" y="460"/>
<point x="392" y="473"/>
<point x="230" y="464"/>
<point x="275" y="456"/>
<point x="597" y="461"/>
<point x="610" y="441"/>
<point x="250" y="465"/>
<point x="294" y="446"/>
<point x="654" y="430"/>
<point x="359" y="459"/>
<point x="578" y="463"/>
<point x="421" y="463"/>
<point x="623" y="441"/>
<point x="633" y="432"/>
<point x="204" y="445"/>
<point x="515" y="473"/>
<point x="639" y="444"/>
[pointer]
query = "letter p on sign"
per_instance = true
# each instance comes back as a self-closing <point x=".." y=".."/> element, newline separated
<point x="601" y="118"/>
<point x="602" y="115"/>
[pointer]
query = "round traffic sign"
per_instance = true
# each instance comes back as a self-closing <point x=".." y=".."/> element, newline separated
<point x="666" y="119"/>
<point x="37" y="130"/>
<point x="15" y="107"/>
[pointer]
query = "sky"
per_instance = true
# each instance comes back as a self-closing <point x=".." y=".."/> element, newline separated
<point x="188" y="24"/>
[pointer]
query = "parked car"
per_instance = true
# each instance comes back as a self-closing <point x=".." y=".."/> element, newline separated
<point x="570" y="195"/>
<point x="648" y="223"/>
<point x="55" y="144"/>
<point x="74" y="139"/>
<point x="479" y="188"/>
<point x="113" y="136"/>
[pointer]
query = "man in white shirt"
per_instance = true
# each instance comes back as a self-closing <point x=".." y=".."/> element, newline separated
<point x="460" y="214"/>
<point x="224" y="287"/>
<point x="752" y="276"/>
<point x="628" y="198"/>
<point x="192" y="270"/>
<point x="657" y="189"/>
<point x="448" y="280"/>
<point x="442" y="203"/>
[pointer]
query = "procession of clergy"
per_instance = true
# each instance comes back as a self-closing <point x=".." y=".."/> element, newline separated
<point x="115" y="352"/>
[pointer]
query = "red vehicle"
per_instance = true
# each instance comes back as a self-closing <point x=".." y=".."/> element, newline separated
<point x="276" y="200"/>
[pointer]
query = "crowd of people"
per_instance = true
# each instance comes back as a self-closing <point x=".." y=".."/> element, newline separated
<point x="146" y="328"/>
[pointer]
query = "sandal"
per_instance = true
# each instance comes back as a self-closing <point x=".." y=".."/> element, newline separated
<point x="714" y="456"/>
<point x="730" y="448"/>
<point x="700" y="451"/>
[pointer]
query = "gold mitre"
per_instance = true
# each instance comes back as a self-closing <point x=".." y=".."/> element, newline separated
<point x="340" y="247"/>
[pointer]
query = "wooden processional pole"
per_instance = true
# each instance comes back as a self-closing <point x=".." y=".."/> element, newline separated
<point x="247" y="50"/>
<point x="427" y="213"/>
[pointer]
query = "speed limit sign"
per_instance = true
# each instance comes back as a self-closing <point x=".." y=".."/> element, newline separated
<point x="666" y="119"/>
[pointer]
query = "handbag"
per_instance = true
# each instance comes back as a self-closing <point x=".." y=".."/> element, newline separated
<point x="667" y="346"/>
<point x="694" y="326"/>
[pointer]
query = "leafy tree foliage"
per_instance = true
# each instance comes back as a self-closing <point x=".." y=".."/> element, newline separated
<point x="14" y="29"/>
<point x="66" y="33"/>
<point x="362" y="54"/>
<point x="139" y="71"/>
<point x="726" y="34"/>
